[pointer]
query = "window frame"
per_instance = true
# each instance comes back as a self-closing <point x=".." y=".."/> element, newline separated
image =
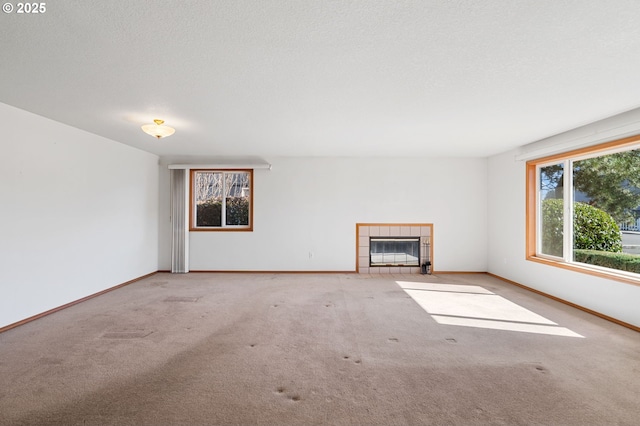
<point x="192" y="203"/>
<point x="532" y="214"/>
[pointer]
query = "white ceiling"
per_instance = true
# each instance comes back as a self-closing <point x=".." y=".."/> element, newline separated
<point x="324" y="77"/>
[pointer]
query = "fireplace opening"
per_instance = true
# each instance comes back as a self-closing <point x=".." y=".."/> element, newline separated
<point x="394" y="251"/>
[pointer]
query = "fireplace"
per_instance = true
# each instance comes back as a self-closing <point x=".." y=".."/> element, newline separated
<point x="394" y="251"/>
<point x="394" y="248"/>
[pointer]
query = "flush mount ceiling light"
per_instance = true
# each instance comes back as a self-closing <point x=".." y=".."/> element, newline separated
<point x="158" y="130"/>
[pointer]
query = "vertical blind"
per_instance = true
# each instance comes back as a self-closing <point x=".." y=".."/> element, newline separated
<point x="179" y="221"/>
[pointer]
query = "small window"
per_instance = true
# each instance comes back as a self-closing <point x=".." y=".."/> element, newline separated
<point x="221" y="200"/>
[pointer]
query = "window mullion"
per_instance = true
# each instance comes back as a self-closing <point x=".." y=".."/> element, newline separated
<point x="539" y="211"/>
<point x="223" y="209"/>
<point x="567" y="195"/>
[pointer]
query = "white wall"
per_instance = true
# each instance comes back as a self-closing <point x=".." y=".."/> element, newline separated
<point x="312" y="205"/>
<point x="507" y="229"/>
<point x="79" y="214"/>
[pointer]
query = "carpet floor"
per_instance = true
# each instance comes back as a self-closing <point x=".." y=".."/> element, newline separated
<point x="304" y="349"/>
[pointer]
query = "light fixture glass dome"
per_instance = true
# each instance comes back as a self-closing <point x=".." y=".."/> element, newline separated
<point x="158" y="130"/>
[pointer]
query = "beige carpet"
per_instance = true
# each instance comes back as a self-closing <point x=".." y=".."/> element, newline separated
<point x="273" y="349"/>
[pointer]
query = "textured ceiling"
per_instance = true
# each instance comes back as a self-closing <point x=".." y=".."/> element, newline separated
<point x="324" y="77"/>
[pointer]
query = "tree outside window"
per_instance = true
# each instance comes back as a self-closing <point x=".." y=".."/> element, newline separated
<point x="221" y="199"/>
<point x="583" y="199"/>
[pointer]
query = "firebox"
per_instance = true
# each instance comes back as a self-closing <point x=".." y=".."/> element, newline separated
<point x="394" y="251"/>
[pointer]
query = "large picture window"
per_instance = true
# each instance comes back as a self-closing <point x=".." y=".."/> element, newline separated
<point x="583" y="210"/>
<point x="221" y="200"/>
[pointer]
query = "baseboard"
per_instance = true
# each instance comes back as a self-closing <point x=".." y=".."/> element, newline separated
<point x="320" y="272"/>
<point x="201" y="271"/>
<point x="75" y="302"/>
<point x="566" y="302"/>
<point x="244" y="271"/>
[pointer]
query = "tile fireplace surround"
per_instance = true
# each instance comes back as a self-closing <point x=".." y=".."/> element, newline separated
<point x="366" y="230"/>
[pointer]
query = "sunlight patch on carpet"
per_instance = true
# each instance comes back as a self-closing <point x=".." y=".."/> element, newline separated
<point x="475" y="306"/>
